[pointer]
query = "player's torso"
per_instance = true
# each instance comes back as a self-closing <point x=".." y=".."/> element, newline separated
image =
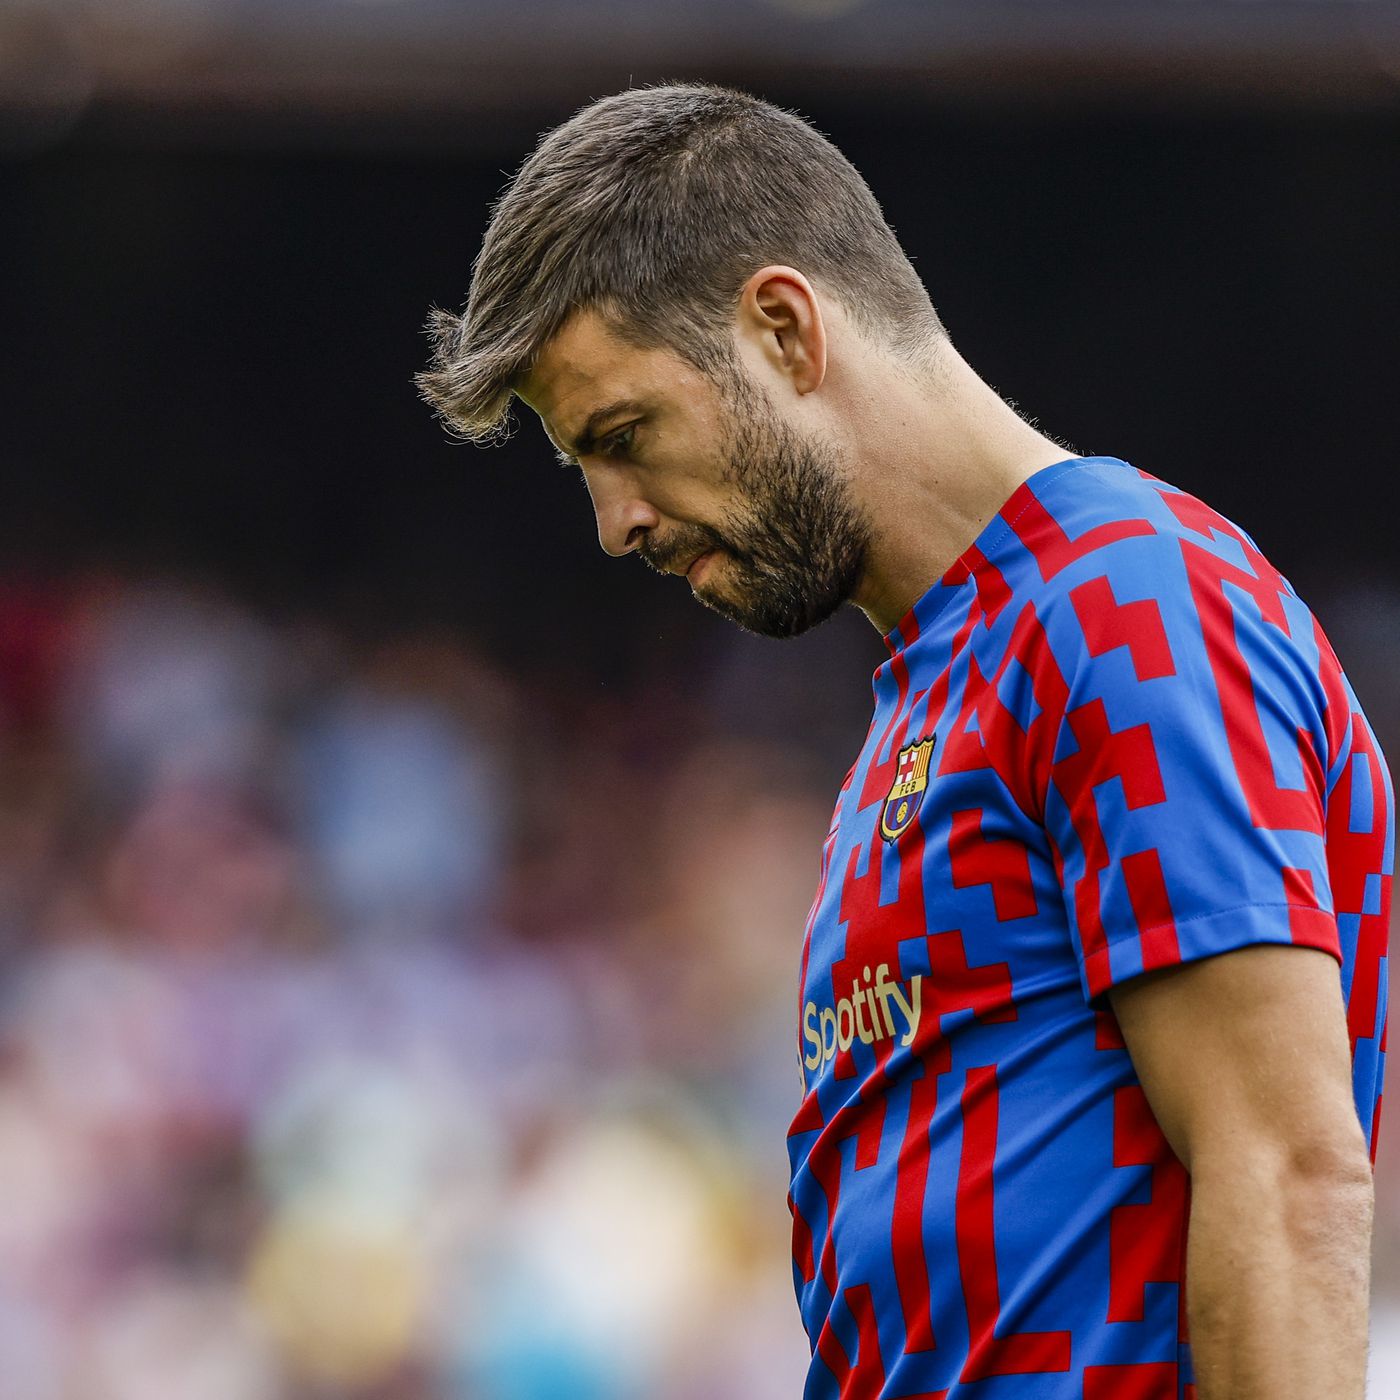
<point x="983" y="1204"/>
<point x="943" y="1029"/>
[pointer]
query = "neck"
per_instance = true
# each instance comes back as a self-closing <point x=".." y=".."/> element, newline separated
<point x="939" y="454"/>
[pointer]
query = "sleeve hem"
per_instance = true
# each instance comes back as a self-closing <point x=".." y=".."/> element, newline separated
<point x="1172" y="944"/>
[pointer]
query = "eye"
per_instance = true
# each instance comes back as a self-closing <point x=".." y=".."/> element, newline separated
<point x="618" y="444"/>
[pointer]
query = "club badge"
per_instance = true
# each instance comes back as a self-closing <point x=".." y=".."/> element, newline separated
<point x="907" y="793"/>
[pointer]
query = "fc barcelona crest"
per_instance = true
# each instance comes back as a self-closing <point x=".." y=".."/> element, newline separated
<point x="907" y="793"/>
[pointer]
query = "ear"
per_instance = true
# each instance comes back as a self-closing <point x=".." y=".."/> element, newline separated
<point x="780" y="317"/>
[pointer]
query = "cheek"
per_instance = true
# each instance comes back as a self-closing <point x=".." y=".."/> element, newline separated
<point x="688" y="498"/>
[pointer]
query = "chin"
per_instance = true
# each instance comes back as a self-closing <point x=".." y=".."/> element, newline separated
<point x="774" y="620"/>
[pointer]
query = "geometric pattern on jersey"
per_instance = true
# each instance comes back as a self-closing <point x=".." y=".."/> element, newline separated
<point x="1143" y="752"/>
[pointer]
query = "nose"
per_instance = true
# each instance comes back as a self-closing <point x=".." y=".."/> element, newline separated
<point x="623" y="516"/>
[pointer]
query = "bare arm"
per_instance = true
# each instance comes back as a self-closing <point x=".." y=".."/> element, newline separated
<point x="1245" y="1061"/>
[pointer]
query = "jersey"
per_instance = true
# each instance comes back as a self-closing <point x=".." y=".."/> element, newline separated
<point x="1110" y="739"/>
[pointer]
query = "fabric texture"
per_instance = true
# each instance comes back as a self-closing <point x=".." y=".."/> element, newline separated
<point x="1110" y="739"/>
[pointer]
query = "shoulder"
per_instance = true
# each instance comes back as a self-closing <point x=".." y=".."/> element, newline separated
<point x="1112" y="556"/>
<point x="1167" y="611"/>
<point x="1099" y="515"/>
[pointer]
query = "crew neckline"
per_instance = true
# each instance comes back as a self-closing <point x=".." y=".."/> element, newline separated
<point x="960" y="573"/>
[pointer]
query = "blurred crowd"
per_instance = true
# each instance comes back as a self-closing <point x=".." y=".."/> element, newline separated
<point x="374" y="1025"/>
<point x="378" y="1023"/>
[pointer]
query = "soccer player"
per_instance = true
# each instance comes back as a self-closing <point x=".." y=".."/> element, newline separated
<point x="1092" y="1008"/>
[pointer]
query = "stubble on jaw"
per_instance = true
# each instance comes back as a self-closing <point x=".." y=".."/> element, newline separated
<point x="795" y="543"/>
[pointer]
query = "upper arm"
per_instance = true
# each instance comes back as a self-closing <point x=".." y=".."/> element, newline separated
<point x="1186" y="794"/>
<point x="1247" y="1054"/>
<point x="1191" y="756"/>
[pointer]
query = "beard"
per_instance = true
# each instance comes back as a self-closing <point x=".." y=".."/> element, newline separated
<point x="794" y="542"/>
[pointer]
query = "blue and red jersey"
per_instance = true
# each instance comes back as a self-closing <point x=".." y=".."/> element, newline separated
<point x="1110" y="739"/>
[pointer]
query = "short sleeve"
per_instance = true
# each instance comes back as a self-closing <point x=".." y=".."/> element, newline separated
<point x="1185" y="806"/>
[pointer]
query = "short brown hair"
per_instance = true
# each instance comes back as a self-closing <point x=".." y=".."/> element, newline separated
<point x="654" y="207"/>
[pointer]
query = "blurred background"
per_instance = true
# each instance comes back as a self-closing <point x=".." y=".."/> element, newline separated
<point x="400" y="902"/>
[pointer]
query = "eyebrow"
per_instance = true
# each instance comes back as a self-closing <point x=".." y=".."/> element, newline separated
<point x="588" y="435"/>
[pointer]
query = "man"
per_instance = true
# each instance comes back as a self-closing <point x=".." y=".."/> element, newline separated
<point x="1098" y="946"/>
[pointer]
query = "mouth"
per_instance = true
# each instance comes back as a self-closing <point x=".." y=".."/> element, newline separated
<point x="698" y="566"/>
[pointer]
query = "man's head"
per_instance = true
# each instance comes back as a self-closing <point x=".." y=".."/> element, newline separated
<point x="656" y="283"/>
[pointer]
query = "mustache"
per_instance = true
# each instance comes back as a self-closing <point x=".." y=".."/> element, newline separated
<point x="685" y="544"/>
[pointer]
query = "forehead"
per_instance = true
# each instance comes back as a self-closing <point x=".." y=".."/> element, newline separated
<point x="586" y="365"/>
